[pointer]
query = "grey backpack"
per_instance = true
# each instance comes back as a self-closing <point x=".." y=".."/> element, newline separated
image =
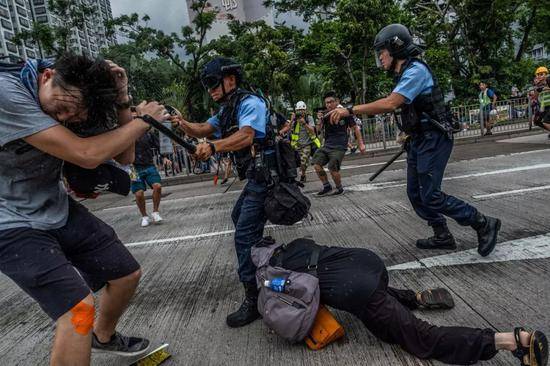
<point x="290" y="313"/>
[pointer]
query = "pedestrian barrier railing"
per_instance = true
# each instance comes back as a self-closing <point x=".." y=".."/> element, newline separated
<point x="507" y="115"/>
<point x="380" y="133"/>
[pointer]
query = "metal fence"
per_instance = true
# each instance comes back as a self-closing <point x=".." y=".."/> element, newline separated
<point x="381" y="132"/>
<point x="507" y="115"/>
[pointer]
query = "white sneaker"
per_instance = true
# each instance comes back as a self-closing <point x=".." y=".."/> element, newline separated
<point x="156" y="217"/>
<point x="145" y="221"/>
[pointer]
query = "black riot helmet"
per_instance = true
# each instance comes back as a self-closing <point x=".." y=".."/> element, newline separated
<point x="398" y="40"/>
<point x="214" y="71"/>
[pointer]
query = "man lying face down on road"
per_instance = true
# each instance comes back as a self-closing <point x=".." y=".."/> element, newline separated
<point x="355" y="280"/>
<point x="51" y="246"/>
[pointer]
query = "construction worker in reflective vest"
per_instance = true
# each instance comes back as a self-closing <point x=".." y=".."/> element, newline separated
<point x="542" y="94"/>
<point x="303" y="137"/>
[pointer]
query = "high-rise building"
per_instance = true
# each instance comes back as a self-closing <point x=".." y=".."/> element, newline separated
<point x="17" y="15"/>
<point x="244" y="11"/>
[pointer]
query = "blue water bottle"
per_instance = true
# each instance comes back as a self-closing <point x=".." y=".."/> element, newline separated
<point x="277" y="284"/>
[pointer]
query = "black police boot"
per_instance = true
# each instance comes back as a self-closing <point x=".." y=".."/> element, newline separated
<point x="248" y="312"/>
<point x="487" y="230"/>
<point x="442" y="239"/>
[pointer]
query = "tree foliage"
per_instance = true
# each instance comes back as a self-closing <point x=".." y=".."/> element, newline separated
<point x="466" y="41"/>
<point x="54" y="39"/>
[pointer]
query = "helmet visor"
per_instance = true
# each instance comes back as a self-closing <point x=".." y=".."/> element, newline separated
<point x="211" y="81"/>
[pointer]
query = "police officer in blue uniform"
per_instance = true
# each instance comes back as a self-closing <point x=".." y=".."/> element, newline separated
<point x="240" y="126"/>
<point x="428" y="122"/>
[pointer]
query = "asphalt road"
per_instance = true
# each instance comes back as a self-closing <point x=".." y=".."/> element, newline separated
<point x="190" y="284"/>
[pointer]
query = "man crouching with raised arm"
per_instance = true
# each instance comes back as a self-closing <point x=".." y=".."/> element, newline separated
<point x="50" y="246"/>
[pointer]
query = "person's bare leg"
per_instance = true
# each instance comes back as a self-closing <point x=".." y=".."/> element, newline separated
<point x="73" y="337"/>
<point x="506" y="341"/>
<point x="228" y="168"/>
<point x="157" y="190"/>
<point x="321" y="173"/>
<point x="113" y="301"/>
<point x="337" y="178"/>
<point x="140" y="201"/>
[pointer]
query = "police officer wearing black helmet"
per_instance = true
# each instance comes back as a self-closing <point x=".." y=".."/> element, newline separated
<point x="239" y="127"/>
<point x="428" y="121"/>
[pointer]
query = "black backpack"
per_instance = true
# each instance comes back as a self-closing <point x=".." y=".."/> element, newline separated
<point x="285" y="203"/>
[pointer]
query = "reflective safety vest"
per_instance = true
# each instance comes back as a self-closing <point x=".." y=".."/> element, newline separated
<point x="295" y="135"/>
<point x="544" y="99"/>
<point x="484" y="98"/>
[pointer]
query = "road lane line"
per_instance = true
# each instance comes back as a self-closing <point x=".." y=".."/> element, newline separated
<point x="189" y="237"/>
<point x="534" y="247"/>
<point x="393" y="184"/>
<point x="512" y="192"/>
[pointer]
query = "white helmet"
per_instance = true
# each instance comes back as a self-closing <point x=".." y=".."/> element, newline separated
<point x="301" y="106"/>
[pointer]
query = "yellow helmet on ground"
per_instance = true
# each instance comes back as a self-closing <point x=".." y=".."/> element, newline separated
<point x="541" y="69"/>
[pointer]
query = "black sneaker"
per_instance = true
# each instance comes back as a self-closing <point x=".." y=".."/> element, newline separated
<point x="224" y="181"/>
<point x="303" y="179"/>
<point x="324" y="191"/>
<point x="336" y="192"/>
<point x="121" y="345"/>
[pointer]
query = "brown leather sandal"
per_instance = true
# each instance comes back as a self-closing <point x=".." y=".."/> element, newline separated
<point x="537" y="352"/>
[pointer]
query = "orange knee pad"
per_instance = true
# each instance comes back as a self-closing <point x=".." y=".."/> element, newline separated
<point x="83" y="318"/>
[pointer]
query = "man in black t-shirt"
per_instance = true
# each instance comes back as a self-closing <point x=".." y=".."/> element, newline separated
<point x="334" y="148"/>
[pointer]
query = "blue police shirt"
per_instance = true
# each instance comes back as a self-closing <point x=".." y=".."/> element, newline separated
<point x="252" y="112"/>
<point x="416" y="80"/>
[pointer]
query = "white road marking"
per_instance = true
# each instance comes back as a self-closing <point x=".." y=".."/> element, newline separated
<point x="512" y="192"/>
<point x="189" y="237"/>
<point x="392" y="184"/>
<point x="365" y="165"/>
<point x="359" y="187"/>
<point x="534" y="247"/>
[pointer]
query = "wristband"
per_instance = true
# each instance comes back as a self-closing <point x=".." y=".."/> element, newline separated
<point x="350" y="111"/>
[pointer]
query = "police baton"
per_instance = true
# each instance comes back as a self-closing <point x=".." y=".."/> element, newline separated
<point x="169" y="133"/>
<point x="390" y="162"/>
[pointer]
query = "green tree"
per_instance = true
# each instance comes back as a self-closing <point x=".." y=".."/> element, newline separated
<point x="54" y="39"/>
<point x="473" y="40"/>
<point x="269" y="55"/>
<point x="192" y="40"/>
<point x="339" y="43"/>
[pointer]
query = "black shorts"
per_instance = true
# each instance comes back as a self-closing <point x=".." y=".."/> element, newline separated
<point x="58" y="268"/>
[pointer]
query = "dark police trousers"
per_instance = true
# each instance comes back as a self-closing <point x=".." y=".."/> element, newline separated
<point x="427" y="157"/>
<point x="249" y="219"/>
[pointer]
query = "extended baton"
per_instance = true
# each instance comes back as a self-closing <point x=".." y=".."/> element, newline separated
<point x="388" y="163"/>
<point x="169" y="133"/>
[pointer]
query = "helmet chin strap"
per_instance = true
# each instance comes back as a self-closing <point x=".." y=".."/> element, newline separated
<point x="226" y="96"/>
<point x="391" y="71"/>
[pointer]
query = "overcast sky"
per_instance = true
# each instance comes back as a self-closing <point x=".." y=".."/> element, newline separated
<point x="167" y="15"/>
